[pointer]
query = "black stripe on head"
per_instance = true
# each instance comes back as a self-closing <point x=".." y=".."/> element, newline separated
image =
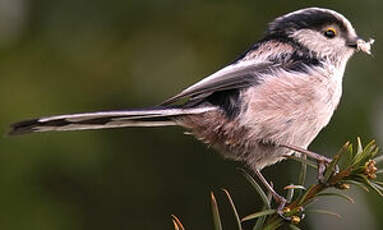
<point x="306" y="19"/>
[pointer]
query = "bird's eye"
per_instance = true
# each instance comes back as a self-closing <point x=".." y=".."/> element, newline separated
<point x="330" y="32"/>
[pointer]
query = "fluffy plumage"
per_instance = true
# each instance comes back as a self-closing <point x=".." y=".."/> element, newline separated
<point x="283" y="90"/>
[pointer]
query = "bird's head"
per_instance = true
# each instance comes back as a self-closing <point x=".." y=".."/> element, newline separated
<point x="323" y="32"/>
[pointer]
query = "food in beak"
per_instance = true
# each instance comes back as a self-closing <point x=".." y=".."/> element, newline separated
<point x="362" y="45"/>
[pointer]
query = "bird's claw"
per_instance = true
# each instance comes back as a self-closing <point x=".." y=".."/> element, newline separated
<point x="281" y="211"/>
<point x="322" y="165"/>
<point x="293" y="216"/>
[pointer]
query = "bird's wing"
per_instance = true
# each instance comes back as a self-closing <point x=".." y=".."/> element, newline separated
<point x="235" y="76"/>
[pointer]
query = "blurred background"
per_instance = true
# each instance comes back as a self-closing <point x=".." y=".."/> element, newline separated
<point x="76" y="56"/>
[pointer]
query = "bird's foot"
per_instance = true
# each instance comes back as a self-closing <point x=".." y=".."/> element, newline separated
<point x="277" y="198"/>
<point x="294" y="216"/>
<point x="282" y="210"/>
<point x="322" y="166"/>
<point x="323" y="161"/>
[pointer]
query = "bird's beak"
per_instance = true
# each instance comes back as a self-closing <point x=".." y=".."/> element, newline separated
<point x="361" y="45"/>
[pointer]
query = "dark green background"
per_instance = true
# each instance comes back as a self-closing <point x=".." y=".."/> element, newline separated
<point x="86" y="55"/>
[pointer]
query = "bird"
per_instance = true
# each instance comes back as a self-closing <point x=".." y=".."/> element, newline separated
<point x="269" y="103"/>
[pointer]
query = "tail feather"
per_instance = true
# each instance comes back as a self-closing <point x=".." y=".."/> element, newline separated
<point x="148" y="117"/>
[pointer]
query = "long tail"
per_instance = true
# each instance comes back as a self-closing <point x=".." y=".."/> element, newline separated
<point x="147" y="117"/>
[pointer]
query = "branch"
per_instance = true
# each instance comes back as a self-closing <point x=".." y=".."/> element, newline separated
<point x="347" y="168"/>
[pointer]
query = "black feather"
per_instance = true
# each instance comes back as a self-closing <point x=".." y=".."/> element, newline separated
<point x="308" y="19"/>
<point x="229" y="101"/>
<point x="23" y="127"/>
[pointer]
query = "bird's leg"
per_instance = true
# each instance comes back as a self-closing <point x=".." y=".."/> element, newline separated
<point x="322" y="160"/>
<point x="308" y="153"/>
<point x="278" y="198"/>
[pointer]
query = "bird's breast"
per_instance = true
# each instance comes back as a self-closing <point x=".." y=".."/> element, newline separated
<point x="291" y="107"/>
